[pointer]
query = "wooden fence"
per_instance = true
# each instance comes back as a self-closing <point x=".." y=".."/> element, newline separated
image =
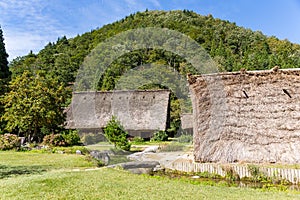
<point x="291" y="175"/>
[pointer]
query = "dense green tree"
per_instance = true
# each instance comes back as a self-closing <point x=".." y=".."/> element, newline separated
<point x="4" y="71"/>
<point x="34" y="105"/>
<point x="115" y="133"/>
<point x="4" y="74"/>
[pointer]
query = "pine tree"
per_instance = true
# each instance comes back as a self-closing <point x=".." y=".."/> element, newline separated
<point x="4" y="76"/>
<point x="4" y="71"/>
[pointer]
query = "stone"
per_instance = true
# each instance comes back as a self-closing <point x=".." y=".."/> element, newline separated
<point x="138" y="156"/>
<point x="152" y="149"/>
<point x="139" y="164"/>
<point x="141" y="170"/>
<point x="78" y="152"/>
<point x="102" y="156"/>
<point x="139" y="167"/>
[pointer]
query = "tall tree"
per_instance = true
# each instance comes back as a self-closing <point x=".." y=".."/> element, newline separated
<point x="4" y="71"/>
<point x="4" y="75"/>
<point x="34" y="105"/>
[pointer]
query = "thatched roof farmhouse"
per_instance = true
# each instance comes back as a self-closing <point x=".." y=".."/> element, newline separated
<point x="140" y="112"/>
<point x="247" y="116"/>
<point x="187" y="123"/>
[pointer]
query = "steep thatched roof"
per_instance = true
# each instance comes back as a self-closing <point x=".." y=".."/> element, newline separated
<point x="247" y="116"/>
<point x="137" y="110"/>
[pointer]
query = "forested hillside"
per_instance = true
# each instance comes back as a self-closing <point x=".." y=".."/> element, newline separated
<point x="231" y="47"/>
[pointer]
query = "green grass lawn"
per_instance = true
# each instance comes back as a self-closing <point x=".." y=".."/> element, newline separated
<point x="113" y="184"/>
<point x="66" y="177"/>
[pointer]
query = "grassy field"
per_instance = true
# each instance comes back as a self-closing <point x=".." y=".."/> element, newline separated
<point x="61" y="176"/>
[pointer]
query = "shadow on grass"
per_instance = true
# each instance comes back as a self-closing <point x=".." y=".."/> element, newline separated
<point x="9" y="171"/>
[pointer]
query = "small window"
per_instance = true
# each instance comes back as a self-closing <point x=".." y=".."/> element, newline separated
<point x="246" y="95"/>
<point x="286" y="92"/>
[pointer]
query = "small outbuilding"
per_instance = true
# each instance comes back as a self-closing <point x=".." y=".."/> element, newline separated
<point x="187" y="123"/>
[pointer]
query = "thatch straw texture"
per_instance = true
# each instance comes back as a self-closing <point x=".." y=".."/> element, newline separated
<point x="247" y="116"/>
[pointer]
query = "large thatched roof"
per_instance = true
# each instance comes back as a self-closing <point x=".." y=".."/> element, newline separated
<point x="247" y="116"/>
<point x="137" y="110"/>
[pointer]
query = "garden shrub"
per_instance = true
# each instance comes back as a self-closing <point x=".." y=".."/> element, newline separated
<point x="256" y="173"/>
<point x="137" y="140"/>
<point x="160" y="136"/>
<point x="67" y="138"/>
<point x="9" y="141"/>
<point x="115" y="133"/>
<point x="54" y="140"/>
<point x="230" y="173"/>
<point x="71" y="137"/>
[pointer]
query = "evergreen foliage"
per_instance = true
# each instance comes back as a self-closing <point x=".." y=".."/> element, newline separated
<point x="4" y="75"/>
<point x="4" y="71"/>
<point x="160" y="136"/>
<point x="231" y="46"/>
<point x="115" y="133"/>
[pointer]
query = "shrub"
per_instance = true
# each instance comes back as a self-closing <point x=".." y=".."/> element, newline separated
<point x="71" y="137"/>
<point x="115" y="133"/>
<point x="9" y="141"/>
<point x="160" y="136"/>
<point x="137" y="140"/>
<point x="256" y="173"/>
<point x="230" y="173"/>
<point x="67" y="138"/>
<point x="54" y="140"/>
<point x="185" y="138"/>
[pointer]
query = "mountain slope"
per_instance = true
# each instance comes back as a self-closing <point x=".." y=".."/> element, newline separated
<point x="232" y="47"/>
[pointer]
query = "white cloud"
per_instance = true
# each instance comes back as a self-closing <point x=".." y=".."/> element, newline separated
<point x="26" y="26"/>
<point x="19" y="44"/>
<point x="31" y="24"/>
<point x="155" y="3"/>
<point x="142" y="5"/>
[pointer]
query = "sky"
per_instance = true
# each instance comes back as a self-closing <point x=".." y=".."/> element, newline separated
<point x="31" y="24"/>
